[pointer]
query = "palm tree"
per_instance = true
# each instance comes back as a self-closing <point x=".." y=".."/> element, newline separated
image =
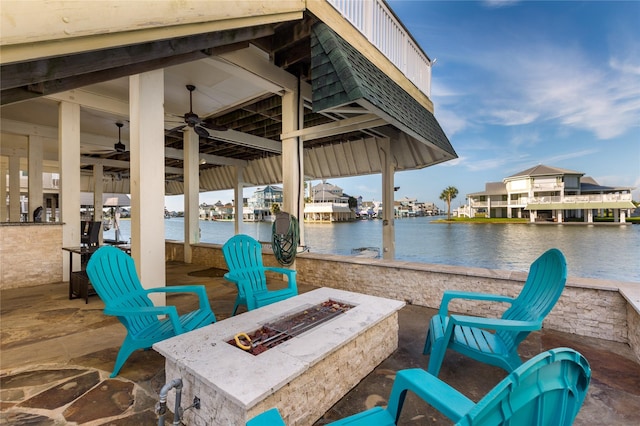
<point x="448" y="194"/>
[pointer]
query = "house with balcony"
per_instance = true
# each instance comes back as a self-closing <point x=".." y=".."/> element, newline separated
<point x="328" y="204"/>
<point x="544" y="193"/>
<point x="262" y="202"/>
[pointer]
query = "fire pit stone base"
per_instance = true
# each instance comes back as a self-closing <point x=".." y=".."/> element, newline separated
<point x="307" y="398"/>
<point x="303" y="377"/>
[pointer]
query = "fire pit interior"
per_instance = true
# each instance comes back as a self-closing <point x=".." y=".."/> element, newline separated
<point x="283" y="329"/>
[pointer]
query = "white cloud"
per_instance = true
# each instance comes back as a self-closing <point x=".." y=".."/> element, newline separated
<point x="451" y="122"/>
<point x="569" y="155"/>
<point x="525" y="139"/>
<point x="499" y="3"/>
<point x="559" y="84"/>
<point x="512" y="117"/>
<point x="488" y="164"/>
<point x="624" y="66"/>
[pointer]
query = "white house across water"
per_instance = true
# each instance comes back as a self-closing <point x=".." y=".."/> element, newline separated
<point x="544" y="193"/>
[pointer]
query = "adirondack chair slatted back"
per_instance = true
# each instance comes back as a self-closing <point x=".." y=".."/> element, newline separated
<point x="243" y="255"/>
<point x="114" y="277"/>
<point x="544" y="285"/>
<point x="549" y="389"/>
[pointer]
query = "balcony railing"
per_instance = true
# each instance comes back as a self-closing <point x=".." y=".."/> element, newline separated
<point x="548" y="186"/>
<point x="494" y="203"/>
<point x="381" y="27"/>
<point x="591" y="198"/>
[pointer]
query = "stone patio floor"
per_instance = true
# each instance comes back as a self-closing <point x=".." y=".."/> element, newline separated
<point x="57" y="354"/>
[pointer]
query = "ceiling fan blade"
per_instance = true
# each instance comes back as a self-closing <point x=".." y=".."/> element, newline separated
<point x="201" y="131"/>
<point x="213" y="126"/>
<point x="98" y="151"/>
<point x="177" y="128"/>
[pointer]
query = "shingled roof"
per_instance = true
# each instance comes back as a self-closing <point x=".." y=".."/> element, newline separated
<point x="542" y="170"/>
<point x="341" y="76"/>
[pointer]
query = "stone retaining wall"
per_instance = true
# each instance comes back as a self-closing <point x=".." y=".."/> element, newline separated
<point x="587" y="307"/>
<point x="30" y="254"/>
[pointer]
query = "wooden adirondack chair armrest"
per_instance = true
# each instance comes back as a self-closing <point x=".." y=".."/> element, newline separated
<point x="449" y="295"/>
<point x="198" y="290"/>
<point x="432" y="390"/>
<point x="495" y="324"/>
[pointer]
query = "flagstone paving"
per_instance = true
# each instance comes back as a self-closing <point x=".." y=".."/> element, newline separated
<point x="57" y="355"/>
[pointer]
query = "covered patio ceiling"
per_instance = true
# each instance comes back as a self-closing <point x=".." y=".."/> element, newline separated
<point x="239" y="78"/>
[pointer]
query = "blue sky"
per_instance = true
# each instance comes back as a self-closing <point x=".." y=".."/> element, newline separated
<point x="521" y="83"/>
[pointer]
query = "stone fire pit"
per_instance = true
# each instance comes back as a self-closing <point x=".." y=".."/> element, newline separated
<point x="302" y="376"/>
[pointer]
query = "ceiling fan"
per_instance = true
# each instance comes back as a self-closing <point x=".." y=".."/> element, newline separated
<point x="119" y="146"/>
<point x="99" y="149"/>
<point x="192" y="119"/>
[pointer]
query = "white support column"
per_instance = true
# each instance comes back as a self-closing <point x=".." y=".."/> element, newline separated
<point x="532" y="215"/>
<point x="292" y="158"/>
<point x="237" y="199"/>
<point x="623" y="218"/>
<point x="559" y="215"/>
<point x="588" y="216"/>
<point x="4" y="213"/>
<point x="191" y="146"/>
<point x="14" y="188"/>
<point x="388" y="224"/>
<point x="146" y="110"/>
<point x="69" y="158"/>
<point x="35" y="175"/>
<point x="98" y="190"/>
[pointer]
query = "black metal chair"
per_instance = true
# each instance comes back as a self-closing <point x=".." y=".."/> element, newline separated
<point x="90" y="233"/>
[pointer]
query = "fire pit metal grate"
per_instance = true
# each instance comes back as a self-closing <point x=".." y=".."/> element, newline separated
<point x="273" y="333"/>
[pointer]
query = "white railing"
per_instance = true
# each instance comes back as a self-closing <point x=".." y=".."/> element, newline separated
<point x="479" y="203"/>
<point x="591" y="198"/>
<point x="494" y="203"/>
<point x="548" y="186"/>
<point x="380" y="26"/>
<point x="328" y="203"/>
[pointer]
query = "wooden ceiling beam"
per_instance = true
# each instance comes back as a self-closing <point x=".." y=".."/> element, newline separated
<point x="22" y="81"/>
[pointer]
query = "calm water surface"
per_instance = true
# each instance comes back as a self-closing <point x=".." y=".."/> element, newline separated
<point x="607" y="252"/>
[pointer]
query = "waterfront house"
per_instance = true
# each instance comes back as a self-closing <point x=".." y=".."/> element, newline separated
<point x="544" y="193"/>
<point x="262" y="202"/>
<point x="407" y="207"/>
<point x="328" y="204"/>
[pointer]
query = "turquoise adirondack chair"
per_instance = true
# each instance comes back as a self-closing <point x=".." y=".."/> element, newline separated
<point x="470" y="335"/>
<point x="243" y="255"/>
<point x="549" y="389"/>
<point x="113" y="275"/>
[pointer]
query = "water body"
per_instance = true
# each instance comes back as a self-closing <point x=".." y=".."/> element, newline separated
<point x="606" y="252"/>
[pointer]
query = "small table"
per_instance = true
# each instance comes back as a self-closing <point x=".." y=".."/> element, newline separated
<point x="79" y="285"/>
